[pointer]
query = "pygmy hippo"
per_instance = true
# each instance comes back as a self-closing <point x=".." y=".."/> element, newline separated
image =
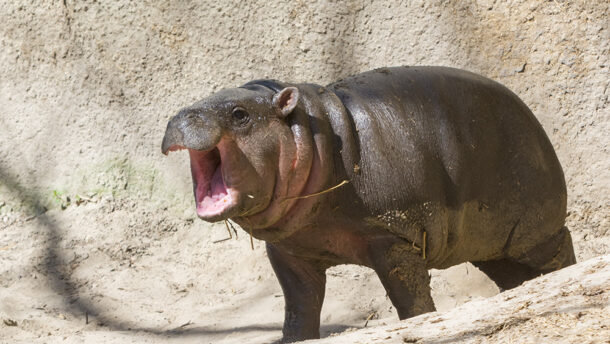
<point x="398" y="169"/>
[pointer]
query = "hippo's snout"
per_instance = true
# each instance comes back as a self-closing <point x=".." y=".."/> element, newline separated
<point x="191" y="130"/>
<point x="173" y="139"/>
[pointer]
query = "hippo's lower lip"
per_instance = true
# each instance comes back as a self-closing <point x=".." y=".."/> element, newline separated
<point x="212" y="196"/>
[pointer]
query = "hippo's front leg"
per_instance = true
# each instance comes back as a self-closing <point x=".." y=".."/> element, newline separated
<point x="303" y="285"/>
<point x="404" y="275"/>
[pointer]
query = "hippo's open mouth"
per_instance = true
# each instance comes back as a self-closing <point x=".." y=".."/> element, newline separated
<point x="212" y="197"/>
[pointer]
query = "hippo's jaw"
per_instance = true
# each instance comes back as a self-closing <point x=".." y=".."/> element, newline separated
<point x="214" y="200"/>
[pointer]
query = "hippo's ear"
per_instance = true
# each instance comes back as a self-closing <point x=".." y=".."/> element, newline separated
<point x="286" y="100"/>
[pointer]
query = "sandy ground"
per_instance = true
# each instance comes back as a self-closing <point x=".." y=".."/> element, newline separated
<point x="142" y="274"/>
<point x="111" y="270"/>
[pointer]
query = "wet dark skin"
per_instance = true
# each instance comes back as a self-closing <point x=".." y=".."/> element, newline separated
<point x="436" y="167"/>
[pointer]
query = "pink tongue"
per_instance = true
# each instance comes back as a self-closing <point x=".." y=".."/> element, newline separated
<point x="218" y="186"/>
<point x="214" y="201"/>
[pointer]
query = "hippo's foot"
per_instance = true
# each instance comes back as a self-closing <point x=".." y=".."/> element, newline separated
<point x="553" y="254"/>
<point x="404" y="275"/>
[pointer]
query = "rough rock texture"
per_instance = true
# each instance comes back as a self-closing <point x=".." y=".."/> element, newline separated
<point x="566" y="306"/>
<point x="86" y="89"/>
<point x="87" y="86"/>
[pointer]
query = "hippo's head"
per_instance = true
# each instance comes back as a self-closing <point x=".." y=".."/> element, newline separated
<point x="245" y="157"/>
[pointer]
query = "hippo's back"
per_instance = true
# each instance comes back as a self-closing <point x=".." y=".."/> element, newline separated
<point x="458" y="145"/>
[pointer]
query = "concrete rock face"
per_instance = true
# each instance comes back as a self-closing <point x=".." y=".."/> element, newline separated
<point x="87" y="87"/>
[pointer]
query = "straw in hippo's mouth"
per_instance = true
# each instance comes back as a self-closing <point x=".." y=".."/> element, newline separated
<point x="211" y="194"/>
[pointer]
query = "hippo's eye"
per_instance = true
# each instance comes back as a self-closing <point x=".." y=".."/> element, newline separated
<point x="240" y="116"/>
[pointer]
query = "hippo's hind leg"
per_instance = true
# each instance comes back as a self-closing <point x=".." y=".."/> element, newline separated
<point x="559" y="248"/>
<point x="553" y="254"/>
<point x="404" y="275"/>
<point x="506" y="273"/>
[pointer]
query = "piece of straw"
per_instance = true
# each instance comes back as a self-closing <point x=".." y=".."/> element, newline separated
<point x="317" y="193"/>
<point x="423" y="250"/>
<point x="369" y="318"/>
<point x="221" y="240"/>
<point x="228" y="229"/>
<point x="251" y="240"/>
<point x="233" y="228"/>
<point x="250" y="230"/>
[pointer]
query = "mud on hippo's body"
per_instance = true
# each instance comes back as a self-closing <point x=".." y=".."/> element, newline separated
<point x="443" y="167"/>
